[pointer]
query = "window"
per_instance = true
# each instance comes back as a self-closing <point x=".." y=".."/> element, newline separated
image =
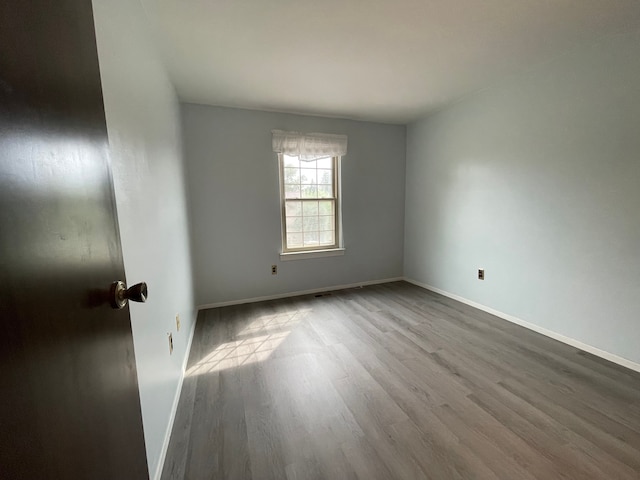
<point x="310" y="203"/>
<point x="309" y="165"/>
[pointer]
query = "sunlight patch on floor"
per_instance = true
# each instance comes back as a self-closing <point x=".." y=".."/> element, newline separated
<point x="276" y="321"/>
<point x="254" y="343"/>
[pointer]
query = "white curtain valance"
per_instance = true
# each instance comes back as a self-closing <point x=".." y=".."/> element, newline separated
<point x="309" y="146"/>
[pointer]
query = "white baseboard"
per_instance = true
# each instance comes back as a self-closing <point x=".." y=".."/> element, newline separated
<point x="298" y="293"/>
<point x="536" y="328"/>
<point x="176" y="401"/>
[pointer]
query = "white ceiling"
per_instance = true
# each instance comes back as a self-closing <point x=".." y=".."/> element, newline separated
<point x="381" y="60"/>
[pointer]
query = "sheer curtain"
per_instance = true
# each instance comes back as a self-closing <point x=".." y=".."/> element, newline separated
<point x="309" y="146"/>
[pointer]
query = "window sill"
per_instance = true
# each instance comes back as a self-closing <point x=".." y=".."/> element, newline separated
<point x="334" y="252"/>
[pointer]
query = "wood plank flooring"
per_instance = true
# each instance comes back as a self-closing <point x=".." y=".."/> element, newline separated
<point x="395" y="382"/>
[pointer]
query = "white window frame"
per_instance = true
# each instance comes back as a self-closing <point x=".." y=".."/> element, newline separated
<point x="323" y="250"/>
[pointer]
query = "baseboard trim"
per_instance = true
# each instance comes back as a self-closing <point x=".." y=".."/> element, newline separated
<point x="532" y="326"/>
<point x="176" y="400"/>
<point x="298" y="293"/>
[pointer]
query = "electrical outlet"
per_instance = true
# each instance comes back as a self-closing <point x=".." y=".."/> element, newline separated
<point x="481" y="274"/>
<point x="274" y="269"/>
<point x="177" y="322"/>
<point x="170" y="343"/>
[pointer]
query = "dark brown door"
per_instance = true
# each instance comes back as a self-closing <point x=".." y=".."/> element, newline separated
<point x="69" y="403"/>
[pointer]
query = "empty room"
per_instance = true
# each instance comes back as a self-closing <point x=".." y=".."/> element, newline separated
<point x="273" y="239"/>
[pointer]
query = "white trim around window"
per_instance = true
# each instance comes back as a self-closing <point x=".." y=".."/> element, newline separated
<point x="310" y="207"/>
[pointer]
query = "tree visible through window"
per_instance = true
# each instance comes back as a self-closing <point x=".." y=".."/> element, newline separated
<point x="309" y="203"/>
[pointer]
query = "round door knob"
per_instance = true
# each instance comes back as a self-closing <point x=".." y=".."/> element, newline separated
<point x="120" y="294"/>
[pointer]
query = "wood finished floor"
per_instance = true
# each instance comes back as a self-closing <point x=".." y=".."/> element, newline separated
<point x="395" y="382"/>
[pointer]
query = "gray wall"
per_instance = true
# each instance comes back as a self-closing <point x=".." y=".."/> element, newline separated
<point x="538" y="181"/>
<point x="235" y="210"/>
<point x="143" y="122"/>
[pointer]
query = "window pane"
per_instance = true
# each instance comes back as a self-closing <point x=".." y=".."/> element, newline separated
<point x="326" y="238"/>
<point x="325" y="207"/>
<point x="291" y="191"/>
<point x="309" y="208"/>
<point x="311" y="239"/>
<point x="310" y="224"/>
<point x="309" y="191"/>
<point x="325" y="163"/>
<point x="326" y="223"/>
<point x="293" y="208"/>
<point x="291" y="176"/>
<point x="294" y="224"/>
<point x="291" y="161"/>
<point x="325" y="191"/>
<point x="294" y="240"/>
<point x="308" y="176"/>
<point x="325" y="177"/>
